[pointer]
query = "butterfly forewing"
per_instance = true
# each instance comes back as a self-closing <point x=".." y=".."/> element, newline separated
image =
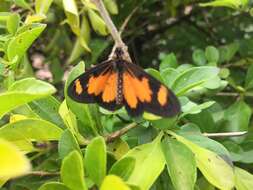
<point x="97" y="85"/>
<point x="142" y="92"/>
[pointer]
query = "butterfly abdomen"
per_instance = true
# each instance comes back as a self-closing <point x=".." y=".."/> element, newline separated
<point x="119" y="97"/>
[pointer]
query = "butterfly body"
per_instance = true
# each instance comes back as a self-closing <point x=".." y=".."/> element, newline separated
<point x="117" y="82"/>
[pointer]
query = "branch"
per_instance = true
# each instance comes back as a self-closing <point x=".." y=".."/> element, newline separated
<point x="228" y="134"/>
<point x="111" y="137"/>
<point x="43" y="173"/>
<point x="113" y="30"/>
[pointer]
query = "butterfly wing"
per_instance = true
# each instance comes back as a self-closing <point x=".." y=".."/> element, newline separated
<point x="97" y="85"/>
<point x="142" y="92"/>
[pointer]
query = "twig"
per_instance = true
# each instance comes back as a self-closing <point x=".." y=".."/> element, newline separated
<point x="232" y="94"/>
<point x="228" y="134"/>
<point x="235" y="94"/>
<point x="117" y="134"/>
<point x="123" y="26"/>
<point x="43" y="173"/>
<point x="113" y="30"/>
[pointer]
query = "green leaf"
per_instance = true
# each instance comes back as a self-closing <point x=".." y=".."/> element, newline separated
<point x="23" y="4"/>
<point x="217" y="171"/>
<point x="72" y="172"/>
<point x="149" y="163"/>
<point x="95" y="155"/>
<point x="83" y="112"/>
<point x="199" y="57"/>
<point x="249" y="78"/>
<point x="123" y="168"/>
<point x="84" y="38"/>
<point x="30" y="129"/>
<point x="53" y="186"/>
<point x="111" y="6"/>
<point x="181" y="164"/>
<point x="12" y="161"/>
<point x="155" y="73"/>
<point x="169" y="61"/>
<point x="243" y="179"/>
<point x="47" y="109"/>
<point x="237" y="118"/>
<point x="118" y="148"/>
<point x="192" y="78"/>
<point x="235" y="4"/>
<point x="227" y="52"/>
<point x="12" y="23"/>
<point x="71" y="12"/>
<point x="67" y="144"/>
<point x="24" y="91"/>
<point x="30" y="19"/>
<point x="22" y="41"/>
<point x="212" y="54"/>
<point x="42" y="6"/>
<point x="68" y="117"/>
<point x="112" y="182"/>
<point x="204" y="120"/>
<point x="189" y="107"/>
<point x="169" y="75"/>
<point x="97" y="23"/>
<point x="207" y="143"/>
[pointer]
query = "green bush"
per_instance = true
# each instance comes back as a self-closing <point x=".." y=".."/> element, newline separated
<point x="202" y="51"/>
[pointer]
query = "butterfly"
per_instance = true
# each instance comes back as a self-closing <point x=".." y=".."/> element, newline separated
<point x="117" y="82"/>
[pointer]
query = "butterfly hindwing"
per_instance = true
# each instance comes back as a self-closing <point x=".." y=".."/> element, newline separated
<point x="97" y="85"/>
<point x="142" y="92"/>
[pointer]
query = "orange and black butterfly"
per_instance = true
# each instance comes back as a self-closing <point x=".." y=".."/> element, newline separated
<point x="117" y="82"/>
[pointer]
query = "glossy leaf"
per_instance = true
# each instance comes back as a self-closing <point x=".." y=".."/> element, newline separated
<point x="46" y="108"/>
<point x="97" y="23"/>
<point x="72" y="171"/>
<point x="82" y="111"/>
<point x="95" y="155"/>
<point x="71" y="12"/>
<point x="249" y="78"/>
<point x="199" y="57"/>
<point x="237" y="118"/>
<point x="212" y="54"/>
<point x="216" y="170"/>
<point x="24" y="91"/>
<point x="112" y="182"/>
<point x="169" y="61"/>
<point x="42" y="6"/>
<point x="32" y="129"/>
<point x="53" y="186"/>
<point x="123" y="168"/>
<point x="111" y="6"/>
<point x="193" y="77"/>
<point x="235" y="4"/>
<point x="22" y="41"/>
<point x="243" y="179"/>
<point x="12" y="161"/>
<point x="67" y="144"/>
<point x="149" y="163"/>
<point x="181" y="164"/>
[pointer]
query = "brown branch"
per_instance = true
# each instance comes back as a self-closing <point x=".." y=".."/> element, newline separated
<point x="113" y="30"/>
<point x="43" y="173"/>
<point x="111" y="137"/>
<point x="228" y="134"/>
